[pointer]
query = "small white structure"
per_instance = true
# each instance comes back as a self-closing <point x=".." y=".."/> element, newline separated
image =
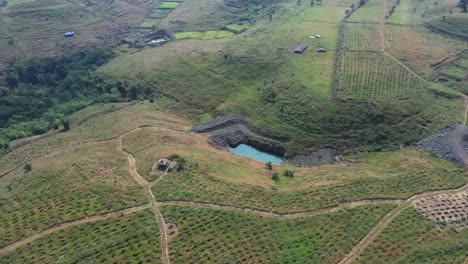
<point x="311" y="37"/>
<point x="318" y="36"/>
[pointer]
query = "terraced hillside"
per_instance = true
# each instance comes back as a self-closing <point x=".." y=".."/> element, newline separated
<point x="127" y="179"/>
<point x="137" y="223"/>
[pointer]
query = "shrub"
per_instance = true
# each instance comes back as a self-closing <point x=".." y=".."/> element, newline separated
<point x="275" y="176"/>
<point x="180" y="161"/>
<point x="268" y="165"/>
<point x="27" y="167"/>
<point x="288" y="173"/>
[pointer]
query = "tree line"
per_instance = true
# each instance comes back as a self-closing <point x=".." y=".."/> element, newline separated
<point x="39" y="95"/>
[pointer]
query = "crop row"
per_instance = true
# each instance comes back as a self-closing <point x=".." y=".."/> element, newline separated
<point x="216" y="236"/>
<point x="372" y="76"/>
<point x="420" y="48"/>
<point x="410" y="238"/>
<point x="123" y="239"/>
<point x="202" y="185"/>
<point x="361" y="37"/>
<point x="64" y="189"/>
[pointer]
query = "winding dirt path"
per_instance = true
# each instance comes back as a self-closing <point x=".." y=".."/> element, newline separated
<point x="147" y="185"/>
<point x="62" y="226"/>
<point x="276" y="215"/>
<point x="387" y="219"/>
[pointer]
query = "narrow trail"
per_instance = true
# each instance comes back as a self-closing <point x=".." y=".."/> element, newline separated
<point x="276" y="215"/>
<point x="154" y="204"/>
<point x="62" y="226"/>
<point x="387" y="219"/>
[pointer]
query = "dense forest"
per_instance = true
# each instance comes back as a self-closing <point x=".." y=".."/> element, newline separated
<point x="38" y="95"/>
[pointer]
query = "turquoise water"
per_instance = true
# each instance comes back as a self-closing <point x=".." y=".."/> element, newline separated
<point x="253" y="153"/>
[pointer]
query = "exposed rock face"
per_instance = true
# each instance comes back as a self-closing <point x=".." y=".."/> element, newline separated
<point x="230" y="131"/>
<point x="320" y="157"/>
<point x="450" y="144"/>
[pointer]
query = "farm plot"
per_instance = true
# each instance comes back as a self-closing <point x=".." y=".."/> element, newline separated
<point x="448" y="210"/>
<point x="217" y="236"/>
<point x="410" y="238"/>
<point x="372" y="76"/>
<point x="371" y="12"/>
<point x="361" y="37"/>
<point x="415" y="12"/>
<point x="216" y="176"/>
<point x="421" y="49"/>
<point x="130" y="238"/>
<point x="76" y="183"/>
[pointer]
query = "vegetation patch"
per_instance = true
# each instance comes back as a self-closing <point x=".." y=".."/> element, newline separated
<point x="215" y="236"/>
<point x="130" y="238"/>
<point x="362" y="77"/>
<point x="189" y="35"/>
<point x="64" y="188"/>
<point x="168" y="5"/>
<point x="413" y="239"/>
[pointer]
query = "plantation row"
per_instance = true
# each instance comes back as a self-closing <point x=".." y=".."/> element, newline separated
<point x="371" y="12"/>
<point x="361" y="37"/>
<point x="216" y="236"/>
<point x="372" y="76"/>
<point x="420" y="48"/>
<point x="124" y="239"/>
<point x="201" y="185"/>
<point x="63" y="189"/>
<point x="410" y="238"/>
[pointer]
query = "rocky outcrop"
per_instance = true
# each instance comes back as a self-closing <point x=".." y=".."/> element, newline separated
<point x="231" y="131"/>
<point x="320" y="157"/>
<point x="450" y="144"/>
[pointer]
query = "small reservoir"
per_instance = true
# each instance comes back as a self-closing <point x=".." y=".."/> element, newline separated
<point x="253" y="153"/>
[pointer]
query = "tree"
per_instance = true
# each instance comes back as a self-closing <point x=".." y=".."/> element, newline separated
<point x="268" y="165"/>
<point x="312" y="3"/>
<point x="463" y="5"/>
<point x="362" y="2"/>
<point x="66" y="124"/>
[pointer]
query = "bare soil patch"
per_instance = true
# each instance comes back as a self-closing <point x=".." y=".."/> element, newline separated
<point x="448" y="210"/>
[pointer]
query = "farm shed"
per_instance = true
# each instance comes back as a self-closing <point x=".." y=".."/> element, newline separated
<point x="162" y="164"/>
<point x="300" y="48"/>
<point x="321" y="50"/>
<point x="69" y="34"/>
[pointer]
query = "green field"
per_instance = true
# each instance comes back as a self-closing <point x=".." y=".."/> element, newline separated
<point x="168" y="5"/>
<point x="214" y="236"/>
<point x="132" y="238"/>
<point x="61" y="188"/>
<point x="413" y="239"/>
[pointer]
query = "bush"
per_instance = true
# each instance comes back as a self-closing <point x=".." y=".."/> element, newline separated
<point x="275" y="176"/>
<point x="268" y="165"/>
<point x="180" y="161"/>
<point x="27" y="167"/>
<point x="288" y="173"/>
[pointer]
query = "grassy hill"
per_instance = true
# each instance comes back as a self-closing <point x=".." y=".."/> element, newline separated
<point x="77" y="177"/>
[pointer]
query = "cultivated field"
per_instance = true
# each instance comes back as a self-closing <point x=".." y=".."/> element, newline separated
<point x="132" y="238"/>
<point x="217" y="236"/>
<point x="50" y="210"/>
<point x="421" y="49"/>
<point x="373" y="76"/>
<point x="412" y="238"/>
<point x="361" y="37"/>
<point x="74" y="183"/>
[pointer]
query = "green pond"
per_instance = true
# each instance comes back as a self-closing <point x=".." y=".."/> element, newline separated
<point x="253" y="153"/>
